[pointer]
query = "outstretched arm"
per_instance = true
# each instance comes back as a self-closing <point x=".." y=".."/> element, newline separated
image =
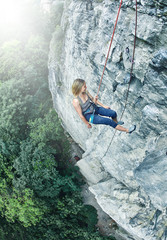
<point x="79" y="111"/>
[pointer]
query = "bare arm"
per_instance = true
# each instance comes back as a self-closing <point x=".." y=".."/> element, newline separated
<point x="79" y="111"/>
<point x="95" y="100"/>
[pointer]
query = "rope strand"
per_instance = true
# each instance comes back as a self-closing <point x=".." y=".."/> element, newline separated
<point x="134" y="46"/>
<point x="109" y="48"/>
<point x="126" y="100"/>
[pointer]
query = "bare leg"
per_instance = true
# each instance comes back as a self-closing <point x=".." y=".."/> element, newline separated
<point x="120" y="128"/>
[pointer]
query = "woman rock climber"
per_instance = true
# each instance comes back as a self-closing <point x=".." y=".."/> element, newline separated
<point x="89" y="112"/>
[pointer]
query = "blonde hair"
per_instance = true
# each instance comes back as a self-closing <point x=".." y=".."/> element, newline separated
<point x="76" y="86"/>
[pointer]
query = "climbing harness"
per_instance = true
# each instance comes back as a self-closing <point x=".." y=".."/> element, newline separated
<point x="91" y="118"/>
<point x="132" y="62"/>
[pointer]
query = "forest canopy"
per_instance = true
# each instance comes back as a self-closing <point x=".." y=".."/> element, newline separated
<point x="40" y="192"/>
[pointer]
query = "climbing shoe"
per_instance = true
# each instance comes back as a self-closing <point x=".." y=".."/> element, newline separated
<point x="132" y="128"/>
<point x="120" y="122"/>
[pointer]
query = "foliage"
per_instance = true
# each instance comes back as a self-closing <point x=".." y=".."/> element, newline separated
<point x="14" y="204"/>
<point x="12" y="231"/>
<point x="14" y="109"/>
<point x="12" y="61"/>
<point x="39" y="193"/>
<point x="69" y="221"/>
<point x="47" y="131"/>
<point x="35" y="168"/>
<point x="18" y="205"/>
<point x="20" y="97"/>
<point x="36" y="55"/>
<point x="16" y="58"/>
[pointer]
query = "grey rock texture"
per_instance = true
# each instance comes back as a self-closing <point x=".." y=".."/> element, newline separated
<point x="127" y="176"/>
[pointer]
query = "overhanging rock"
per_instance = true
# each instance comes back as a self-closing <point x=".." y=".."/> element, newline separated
<point x="127" y="176"/>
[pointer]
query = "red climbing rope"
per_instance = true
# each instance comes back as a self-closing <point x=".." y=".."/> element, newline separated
<point x="109" y="47"/>
<point x="132" y="62"/>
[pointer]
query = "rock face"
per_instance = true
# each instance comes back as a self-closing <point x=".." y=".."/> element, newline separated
<point x="128" y="173"/>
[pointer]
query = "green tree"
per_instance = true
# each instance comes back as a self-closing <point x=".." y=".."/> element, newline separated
<point x="12" y="61"/>
<point x="36" y="168"/>
<point x="36" y="54"/>
<point x="47" y="132"/>
<point x="17" y="205"/>
<point x="39" y="193"/>
<point x="25" y="79"/>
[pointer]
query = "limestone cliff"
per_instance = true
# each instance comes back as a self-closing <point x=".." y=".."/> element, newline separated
<point x="129" y="176"/>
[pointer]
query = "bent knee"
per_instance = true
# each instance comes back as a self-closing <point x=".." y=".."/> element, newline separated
<point x="114" y="115"/>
